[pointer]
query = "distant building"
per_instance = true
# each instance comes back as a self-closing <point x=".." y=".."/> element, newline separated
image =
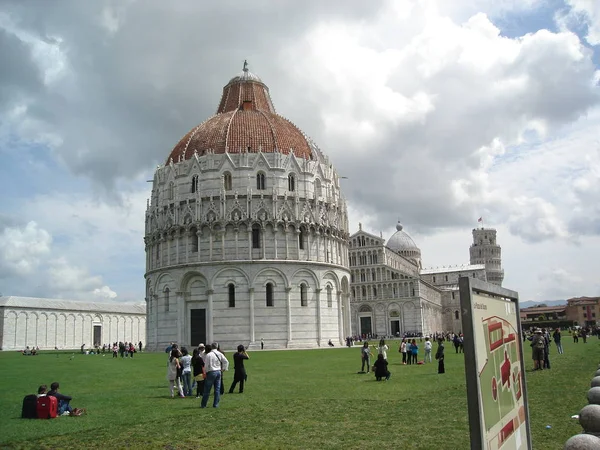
<point x="542" y="313"/>
<point x="391" y="294"/>
<point x="583" y="310"/>
<point x="54" y="323"/>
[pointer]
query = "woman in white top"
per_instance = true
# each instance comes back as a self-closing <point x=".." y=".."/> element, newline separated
<point x="172" y="367"/>
<point x="186" y="374"/>
<point x="403" y="350"/>
<point x="382" y="349"/>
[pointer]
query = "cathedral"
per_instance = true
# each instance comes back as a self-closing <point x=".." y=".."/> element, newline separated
<point x="392" y="295"/>
<point x="246" y="233"/>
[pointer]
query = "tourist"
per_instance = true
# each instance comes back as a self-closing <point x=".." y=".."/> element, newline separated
<point x="198" y="366"/>
<point x="427" y="349"/>
<point x="439" y="356"/>
<point x="538" y="344"/>
<point x="172" y="369"/>
<point x="403" y="349"/>
<point x="365" y="354"/>
<point x="140" y="346"/>
<point x="546" y="349"/>
<point x="413" y="352"/>
<point x="381" y="368"/>
<point x="222" y="386"/>
<point x="186" y="371"/>
<point x="382" y="349"/>
<point x="215" y="363"/>
<point x="64" y="407"/>
<point x="131" y="349"/>
<point x="239" y="374"/>
<point x="42" y="390"/>
<point x="575" y="334"/>
<point x="557" y="340"/>
<point x="262" y="344"/>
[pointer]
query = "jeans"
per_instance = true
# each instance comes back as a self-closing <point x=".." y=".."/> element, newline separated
<point x="559" y="347"/>
<point x="368" y="363"/>
<point x="63" y="406"/>
<point x="427" y="355"/>
<point x="213" y="378"/>
<point x="187" y="383"/>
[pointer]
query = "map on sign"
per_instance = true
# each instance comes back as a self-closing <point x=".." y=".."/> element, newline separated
<point x="497" y="347"/>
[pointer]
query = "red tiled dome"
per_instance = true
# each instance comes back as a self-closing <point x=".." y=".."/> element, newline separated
<point x="245" y="121"/>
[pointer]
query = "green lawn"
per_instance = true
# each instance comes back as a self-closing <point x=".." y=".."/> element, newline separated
<point x="293" y="399"/>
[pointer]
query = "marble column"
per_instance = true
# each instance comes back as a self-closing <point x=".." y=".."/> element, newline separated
<point x="288" y="303"/>
<point x="182" y="332"/>
<point x="252" y="329"/>
<point x="209" y="317"/>
<point x="319" y="330"/>
<point x="342" y="333"/>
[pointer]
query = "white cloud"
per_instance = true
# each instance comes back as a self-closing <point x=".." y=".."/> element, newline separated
<point x="22" y="249"/>
<point x="587" y="13"/>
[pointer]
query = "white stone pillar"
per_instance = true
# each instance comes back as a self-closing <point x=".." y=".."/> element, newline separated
<point x="182" y="326"/>
<point x="198" y="236"/>
<point x="250" y="243"/>
<point x="252" y="334"/>
<point x="237" y="235"/>
<point x="308" y="243"/>
<point x="319" y="327"/>
<point x="275" y="231"/>
<point x="341" y="331"/>
<point x="287" y="253"/>
<point x="169" y="240"/>
<point x="346" y="300"/>
<point x="288" y="303"/>
<point x="210" y="244"/>
<point x="209" y="316"/>
<point x="177" y="243"/>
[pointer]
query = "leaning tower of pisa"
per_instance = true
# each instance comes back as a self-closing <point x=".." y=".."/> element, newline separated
<point x="485" y="250"/>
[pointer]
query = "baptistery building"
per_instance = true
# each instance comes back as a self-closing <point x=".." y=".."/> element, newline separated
<point x="246" y="233"/>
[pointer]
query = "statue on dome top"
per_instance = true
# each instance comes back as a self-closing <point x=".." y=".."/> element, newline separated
<point x="245" y="66"/>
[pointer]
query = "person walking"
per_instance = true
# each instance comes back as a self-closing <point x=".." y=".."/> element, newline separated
<point x="557" y="340"/>
<point x="439" y="356"/>
<point x="215" y="363"/>
<point x="538" y="343"/>
<point x="365" y="354"/>
<point x="239" y="374"/>
<point x="172" y="369"/>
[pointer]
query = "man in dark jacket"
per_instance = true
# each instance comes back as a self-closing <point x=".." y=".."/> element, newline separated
<point x="63" y="401"/>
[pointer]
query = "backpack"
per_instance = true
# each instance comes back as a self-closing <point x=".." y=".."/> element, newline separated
<point x="541" y="343"/>
<point x="29" y="410"/>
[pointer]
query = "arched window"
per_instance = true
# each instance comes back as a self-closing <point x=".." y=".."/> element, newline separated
<point x="171" y="190"/>
<point x="374" y="292"/>
<point x="166" y="299"/>
<point x="329" y="297"/>
<point x="291" y="182"/>
<point x="158" y="252"/>
<point x="317" y="187"/>
<point x="194" y="183"/>
<point x="303" y="297"/>
<point x="364" y="292"/>
<point x="269" y="294"/>
<point x="227" y="183"/>
<point x="301" y="239"/>
<point x="193" y="240"/>
<point x="231" y="288"/>
<point x="260" y="181"/>
<point x="456" y="315"/>
<point x="255" y="236"/>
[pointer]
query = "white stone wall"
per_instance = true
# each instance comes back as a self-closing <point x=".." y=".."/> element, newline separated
<point x="285" y="324"/>
<point x="64" y="329"/>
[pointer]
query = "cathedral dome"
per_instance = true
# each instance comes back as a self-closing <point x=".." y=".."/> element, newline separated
<point x="401" y="241"/>
<point x="245" y="121"/>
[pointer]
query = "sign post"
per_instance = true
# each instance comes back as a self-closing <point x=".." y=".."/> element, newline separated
<point x="495" y="372"/>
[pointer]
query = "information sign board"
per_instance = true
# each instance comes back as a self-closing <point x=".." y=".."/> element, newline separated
<point x="496" y="388"/>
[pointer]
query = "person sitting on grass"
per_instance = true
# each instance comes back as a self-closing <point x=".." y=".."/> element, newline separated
<point x="380" y="368"/>
<point x="64" y="408"/>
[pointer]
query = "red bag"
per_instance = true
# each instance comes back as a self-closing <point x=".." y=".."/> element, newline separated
<point x="47" y="407"/>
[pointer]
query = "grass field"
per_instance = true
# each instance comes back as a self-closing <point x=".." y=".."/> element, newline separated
<point x="293" y="399"/>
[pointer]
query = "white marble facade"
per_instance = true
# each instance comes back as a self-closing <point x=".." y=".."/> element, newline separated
<point x="391" y="294"/>
<point x="54" y="323"/>
<point x="248" y="244"/>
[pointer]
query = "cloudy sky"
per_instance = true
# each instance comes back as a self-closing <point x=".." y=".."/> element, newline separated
<point x="439" y="112"/>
